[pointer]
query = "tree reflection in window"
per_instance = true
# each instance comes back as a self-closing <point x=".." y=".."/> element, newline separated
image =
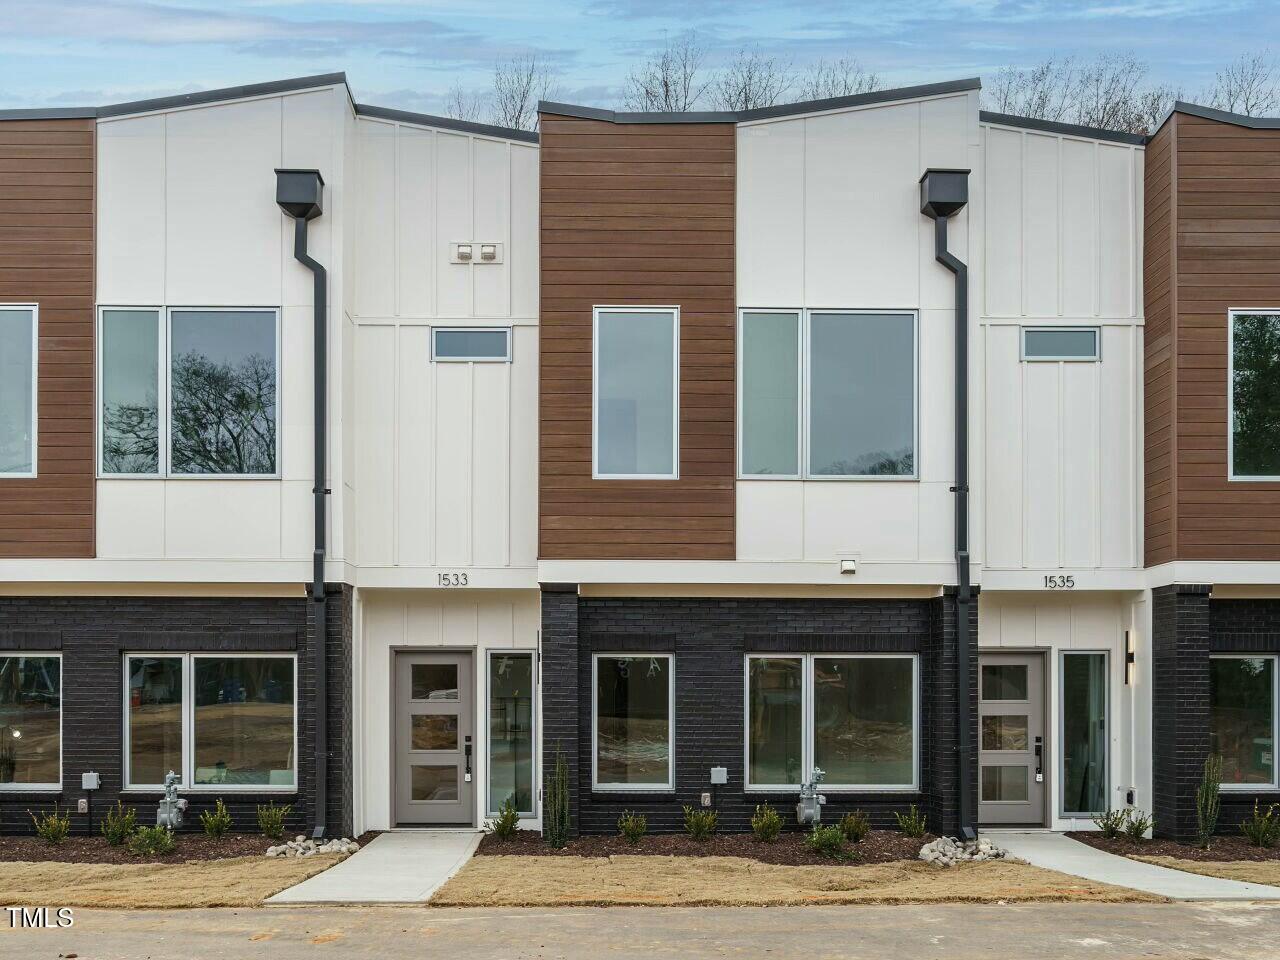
<point x="1255" y="395"/>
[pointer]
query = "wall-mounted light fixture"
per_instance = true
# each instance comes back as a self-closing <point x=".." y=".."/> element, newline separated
<point x="1130" y="658"/>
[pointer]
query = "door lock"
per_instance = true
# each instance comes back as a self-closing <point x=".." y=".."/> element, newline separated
<point x="467" y="751"/>
<point x="1039" y="759"/>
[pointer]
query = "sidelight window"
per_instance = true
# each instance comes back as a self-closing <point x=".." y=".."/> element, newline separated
<point x="633" y="725"/>
<point x="1253" y="431"/>
<point x="635" y="393"/>
<point x="18" y="358"/>
<point x="511" y="740"/>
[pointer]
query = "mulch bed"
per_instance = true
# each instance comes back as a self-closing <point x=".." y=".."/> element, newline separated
<point x="1223" y="848"/>
<point x="191" y="847"/>
<point x="879" y="846"/>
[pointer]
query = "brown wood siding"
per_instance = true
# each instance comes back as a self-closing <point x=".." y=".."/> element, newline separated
<point x="46" y="257"/>
<point x="639" y="214"/>
<point x="1159" y="297"/>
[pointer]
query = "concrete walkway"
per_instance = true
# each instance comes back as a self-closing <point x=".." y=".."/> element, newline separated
<point x="1054" y="851"/>
<point x="392" y="868"/>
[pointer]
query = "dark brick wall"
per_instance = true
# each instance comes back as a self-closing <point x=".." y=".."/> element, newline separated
<point x="710" y="638"/>
<point x="92" y="633"/>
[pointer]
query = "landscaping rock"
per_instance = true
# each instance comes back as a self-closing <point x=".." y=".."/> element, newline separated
<point x="948" y="851"/>
<point x="301" y="846"/>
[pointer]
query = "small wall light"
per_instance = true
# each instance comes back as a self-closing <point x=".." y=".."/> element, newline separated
<point x="1130" y="658"/>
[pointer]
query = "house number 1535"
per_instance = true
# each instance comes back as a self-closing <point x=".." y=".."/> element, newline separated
<point x="1057" y="582"/>
<point x="451" y="579"/>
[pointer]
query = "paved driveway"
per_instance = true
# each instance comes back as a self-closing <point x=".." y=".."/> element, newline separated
<point x="1027" y="932"/>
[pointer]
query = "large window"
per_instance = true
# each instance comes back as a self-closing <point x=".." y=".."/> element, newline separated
<point x="188" y="392"/>
<point x="18" y="352"/>
<point x="217" y="720"/>
<point x="856" y="717"/>
<point x="1253" y="433"/>
<point x="633" y="727"/>
<point x="827" y="394"/>
<point x="1242" y="719"/>
<point x="30" y="722"/>
<point x="635" y="389"/>
<point x="511" y="742"/>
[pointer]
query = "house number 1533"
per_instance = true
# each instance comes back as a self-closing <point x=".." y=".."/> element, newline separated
<point x="1057" y="582"/>
<point x="451" y="579"/>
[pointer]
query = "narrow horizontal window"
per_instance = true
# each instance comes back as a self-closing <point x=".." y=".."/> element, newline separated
<point x="30" y="722"/>
<point x="18" y="344"/>
<point x="636" y="403"/>
<point x="770" y="384"/>
<point x="129" y="389"/>
<point x="480" y="344"/>
<point x="1060" y="343"/>
<point x="1254" y="435"/>
<point x="634" y="723"/>
<point x="1242" y="719"/>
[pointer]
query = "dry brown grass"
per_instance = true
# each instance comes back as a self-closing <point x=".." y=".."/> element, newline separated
<point x="1252" y="871"/>
<point x="237" y="882"/>
<point x="733" y="881"/>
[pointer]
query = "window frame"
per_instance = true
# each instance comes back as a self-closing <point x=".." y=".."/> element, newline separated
<point x="34" y="309"/>
<point x="807" y="744"/>
<point x="533" y="733"/>
<point x="506" y="358"/>
<point x="804" y="407"/>
<point x="1232" y="476"/>
<point x="187" y="783"/>
<point x="162" y="391"/>
<point x="596" y="310"/>
<point x="1274" y="785"/>
<point x="6" y="788"/>
<point x="670" y="785"/>
<point x="1059" y="328"/>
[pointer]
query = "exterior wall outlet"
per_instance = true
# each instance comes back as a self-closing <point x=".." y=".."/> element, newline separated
<point x="706" y="798"/>
<point x="82" y="805"/>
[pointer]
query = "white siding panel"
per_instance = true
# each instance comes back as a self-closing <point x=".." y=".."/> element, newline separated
<point x="1042" y="463"/>
<point x="1003" y="239"/>
<point x="1041" y="203"/>
<point x="1079" y="228"/>
<point x="454" y="223"/>
<point x="490" y="460"/>
<point x="491" y="203"/>
<point x="198" y="524"/>
<point x="415" y="502"/>
<point x="1004" y="467"/>
<point x="375" y="443"/>
<point x="1116" y="233"/>
<point x="1117" y="447"/>
<point x="523" y="434"/>
<point x="522" y="250"/>
<point x="130" y="519"/>
<point x="1079" y="463"/>
<point x="375" y="218"/>
<point x="771" y="214"/>
<point x="877" y="520"/>
<point x="130" y="211"/>
<point x="414" y="199"/>
<point x="770" y="520"/>
<point x="454" y="408"/>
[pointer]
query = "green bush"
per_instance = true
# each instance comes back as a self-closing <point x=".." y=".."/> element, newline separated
<point x="52" y="827"/>
<point x="632" y="826"/>
<point x="508" y="818"/>
<point x="1137" y="824"/>
<point x="826" y="841"/>
<point x="119" y="823"/>
<point x="1262" y="829"/>
<point x="152" y="842"/>
<point x="700" y="824"/>
<point x="1112" y="823"/>
<point x="555" y="806"/>
<point x="765" y="823"/>
<point x="914" y="823"/>
<point x="216" y="822"/>
<point x="1208" y="800"/>
<point x="855" y="826"/>
<point x="271" y="819"/>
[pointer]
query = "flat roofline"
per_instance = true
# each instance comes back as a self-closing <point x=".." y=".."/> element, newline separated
<point x="1223" y="116"/>
<point x="446" y="123"/>
<point x="1067" y="129"/>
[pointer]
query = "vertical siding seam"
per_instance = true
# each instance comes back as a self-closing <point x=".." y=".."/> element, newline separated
<point x="1022" y="222"/>
<point x="395" y="227"/>
<point x="1023" y="465"/>
<point x="1060" y="230"/>
<point x="1062" y="467"/>
<point x="394" y="506"/>
<point x="1097" y="454"/>
<point x="1097" y="229"/>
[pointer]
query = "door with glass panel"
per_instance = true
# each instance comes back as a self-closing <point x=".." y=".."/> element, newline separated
<point x="1011" y="749"/>
<point x="434" y="739"/>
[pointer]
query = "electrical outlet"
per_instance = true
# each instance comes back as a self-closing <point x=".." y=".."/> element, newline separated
<point x="82" y="805"/>
<point x="706" y="799"/>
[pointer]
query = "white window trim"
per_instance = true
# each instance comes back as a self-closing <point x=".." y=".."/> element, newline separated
<point x="34" y="309"/>
<point x="671" y="721"/>
<point x="505" y="358"/>
<point x="6" y="788"/>
<point x="1060" y="756"/>
<point x="187" y="783"/>
<point x="1275" y="722"/>
<point x="533" y="733"/>
<point x="807" y="726"/>
<point x="1232" y="312"/>
<point x="164" y="397"/>
<point x="674" y="310"/>
<point x="803" y="408"/>
<point x="1037" y="358"/>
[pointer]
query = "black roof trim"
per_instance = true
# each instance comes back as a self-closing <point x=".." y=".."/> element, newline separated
<point x="1223" y="116"/>
<point x="49" y="113"/>
<point x="446" y="123"/>
<point x="224" y="93"/>
<point x="1070" y="129"/>
<point x="762" y="113"/>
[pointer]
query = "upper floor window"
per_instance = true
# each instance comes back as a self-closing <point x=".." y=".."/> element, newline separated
<point x="188" y="392"/>
<point x="827" y="394"/>
<point x="18" y="349"/>
<point x="1253" y="435"/>
<point x="635" y="393"/>
<point x="1060" y="343"/>
<point x="470" y="344"/>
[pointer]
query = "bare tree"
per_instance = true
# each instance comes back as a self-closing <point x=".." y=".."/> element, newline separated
<point x="1153" y="105"/>
<point x="1106" y="92"/>
<point x="462" y="104"/>
<point x="837" y="78"/>
<point x="1043" y="91"/>
<point x="1248" y="86"/>
<point x="669" y="80"/>
<point x="751" y="80"/>
<point x="518" y="85"/>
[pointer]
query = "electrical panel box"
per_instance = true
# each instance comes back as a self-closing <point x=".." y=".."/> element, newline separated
<point x="719" y="776"/>
<point x="90" y="781"/>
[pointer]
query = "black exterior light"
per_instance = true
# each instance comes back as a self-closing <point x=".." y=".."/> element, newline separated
<point x="299" y="192"/>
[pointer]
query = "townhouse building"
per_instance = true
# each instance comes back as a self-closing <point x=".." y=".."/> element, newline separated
<point x="370" y="462"/>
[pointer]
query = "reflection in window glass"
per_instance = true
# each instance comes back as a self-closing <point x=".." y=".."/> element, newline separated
<point x="770" y="394"/>
<point x="223" y="392"/>
<point x="1255" y="395"/>
<point x="864" y="719"/>
<point x="130" y="389"/>
<point x="1004" y="733"/>
<point x="433" y="681"/>
<point x="30" y="720"/>
<point x="862" y="395"/>
<point x="1062" y="343"/>
<point x="155" y="718"/>
<point x="434" y="732"/>
<point x="635" y="378"/>
<point x="434" y="783"/>
<point x="1084" y="733"/>
<point x="1242" y="717"/>
<point x="1004" y="783"/>
<point x="243" y="720"/>
<point x="17" y="371"/>
<point x="775" y="721"/>
<point x="1004" y="681"/>
<point x="633" y="720"/>
<point x="511" y="731"/>
<point x="470" y="344"/>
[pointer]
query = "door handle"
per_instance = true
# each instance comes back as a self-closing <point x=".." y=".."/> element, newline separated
<point x="1039" y="760"/>
<point x="467" y="754"/>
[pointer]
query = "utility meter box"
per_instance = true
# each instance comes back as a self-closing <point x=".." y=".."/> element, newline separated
<point x="90" y="781"/>
<point x="719" y="776"/>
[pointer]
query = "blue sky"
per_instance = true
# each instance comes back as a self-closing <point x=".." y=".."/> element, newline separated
<point x="407" y="53"/>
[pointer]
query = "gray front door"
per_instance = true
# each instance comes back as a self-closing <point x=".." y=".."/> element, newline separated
<point x="1011" y="747"/>
<point x="434" y="759"/>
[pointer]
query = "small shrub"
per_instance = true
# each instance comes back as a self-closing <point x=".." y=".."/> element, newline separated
<point x="765" y="823"/>
<point x="826" y="841"/>
<point x="216" y="822"/>
<point x="1137" y="824"/>
<point x="632" y="826"/>
<point x="52" y="827"/>
<point x="152" y="842"/>
<point x="271" y="819"/>
<point x="1112" y="823"/>
<point x="1208" y="800"/>
<point x="855" y="826"/>
<point x="505" y="823"/>
<point x="700" y="824"/>
<point x="555" y="805"/>
<point x="914" y="823"/>
<point x="1262" y="829"/>
<point x="119" y="823"/>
